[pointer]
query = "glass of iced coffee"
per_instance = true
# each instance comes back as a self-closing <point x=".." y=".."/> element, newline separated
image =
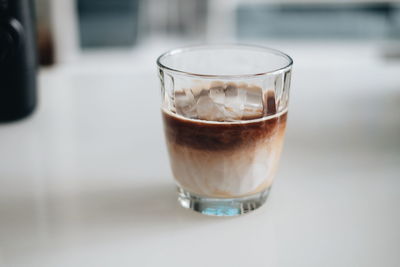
<point x="224" y="109"/>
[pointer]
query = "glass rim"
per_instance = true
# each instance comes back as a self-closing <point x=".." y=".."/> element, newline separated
<point x="207" y="46"/>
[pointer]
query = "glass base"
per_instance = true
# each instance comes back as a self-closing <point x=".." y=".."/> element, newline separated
<point x="221" y="206"/>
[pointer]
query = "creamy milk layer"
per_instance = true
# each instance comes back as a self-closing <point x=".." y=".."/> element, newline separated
<point x="224" y="159"/>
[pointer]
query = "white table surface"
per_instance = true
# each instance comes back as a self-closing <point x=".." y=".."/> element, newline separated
<point x="85" y="181"/>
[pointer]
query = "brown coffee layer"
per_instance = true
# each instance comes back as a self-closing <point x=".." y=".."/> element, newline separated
<point x="204" y="135"/>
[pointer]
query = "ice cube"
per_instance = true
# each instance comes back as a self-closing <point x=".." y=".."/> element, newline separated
<point x="221" y="102"/>
<point x="253" y="105"/>
<point x="196" y="91"/>
<point x="243" y="102"/>
<point x="234" y="100"/>
<point x="207" y="109"/>
<point x="185" y="103"/>
<point x="217" y="94"/>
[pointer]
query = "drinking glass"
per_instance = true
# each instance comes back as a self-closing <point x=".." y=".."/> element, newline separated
<point x="224" y="109"/>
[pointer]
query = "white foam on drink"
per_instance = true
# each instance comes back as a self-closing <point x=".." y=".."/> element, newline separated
<point x="226" y="122"/>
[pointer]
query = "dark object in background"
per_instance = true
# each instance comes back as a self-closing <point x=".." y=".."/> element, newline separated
<point x="44" y="27"/>
<point x="45" y="47"/>
<point x="107" y="23"/>
<point x="17" y="59"/>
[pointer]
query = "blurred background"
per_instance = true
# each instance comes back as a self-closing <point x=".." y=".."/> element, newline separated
<point x="354" y="44"/>
<point x="71" y="28"/>
<point x="86" y="181"/>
